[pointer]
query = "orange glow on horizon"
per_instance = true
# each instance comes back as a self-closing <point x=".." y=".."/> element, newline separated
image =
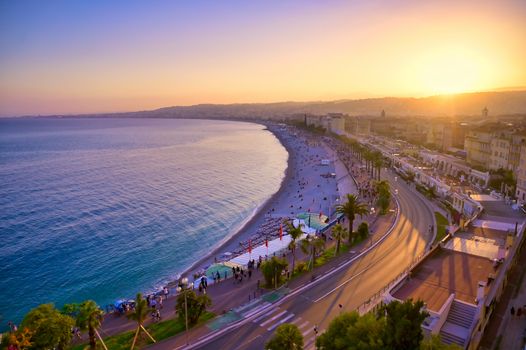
<point x="347" y="50"/>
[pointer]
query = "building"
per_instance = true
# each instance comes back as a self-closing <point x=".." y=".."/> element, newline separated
<point x="454" y="135"/>
<point x="500" y="152"/>
<point x="462" y="278"/>
<point x="517" y="141"/>
<point x="435" y="136"/>
<point x="336" y="123"/>
<point x="332" y="122"/>
<point x="477" y="144"/>
<point x="362" y="126"/>
<point x="521" y="177"/>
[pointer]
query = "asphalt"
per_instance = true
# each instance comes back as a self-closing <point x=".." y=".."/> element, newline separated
<point x="349" y="287"/>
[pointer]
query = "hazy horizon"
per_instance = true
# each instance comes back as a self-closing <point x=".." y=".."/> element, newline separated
<point x="497" y="90"/>
<point x="99" y="57"/>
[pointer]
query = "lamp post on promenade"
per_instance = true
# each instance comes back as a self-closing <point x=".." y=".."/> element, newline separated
<point x="183" y="287"/>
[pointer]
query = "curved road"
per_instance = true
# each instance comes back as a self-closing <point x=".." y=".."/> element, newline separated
<point x="349" y="287"/>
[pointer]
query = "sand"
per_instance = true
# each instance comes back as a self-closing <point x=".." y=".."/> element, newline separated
<point x="302" y="189"/>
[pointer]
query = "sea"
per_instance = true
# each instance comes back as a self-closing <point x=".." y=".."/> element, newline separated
<point x="104" y="208"/>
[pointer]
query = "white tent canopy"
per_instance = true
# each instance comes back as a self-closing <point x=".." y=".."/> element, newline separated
<point x="274" y="246"/>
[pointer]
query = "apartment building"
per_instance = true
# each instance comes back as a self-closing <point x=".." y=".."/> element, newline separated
<point x="333" y="122"/>
<point x="477" y="144"/>
<point x="521" y="177"/>
<point x="500" y="152"/>
<point x="360" y="126"/>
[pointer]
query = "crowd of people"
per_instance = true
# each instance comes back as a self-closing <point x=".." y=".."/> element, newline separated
<point x="357" y="169"/>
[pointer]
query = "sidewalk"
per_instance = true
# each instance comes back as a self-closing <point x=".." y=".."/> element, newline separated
<point x="379" y="227"/>
<point x="228" y="294"/>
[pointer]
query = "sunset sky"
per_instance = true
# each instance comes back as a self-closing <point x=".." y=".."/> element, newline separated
<point x="97" y="56"/>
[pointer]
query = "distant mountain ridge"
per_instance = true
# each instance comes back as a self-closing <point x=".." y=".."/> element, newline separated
<point x="498" y="103"/>
<point x="465" y="104"/>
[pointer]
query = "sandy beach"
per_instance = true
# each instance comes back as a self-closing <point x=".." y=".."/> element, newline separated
<point x="303" y="189"/>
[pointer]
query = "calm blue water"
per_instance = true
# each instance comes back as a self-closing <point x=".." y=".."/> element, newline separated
<point x="104" y="208"/>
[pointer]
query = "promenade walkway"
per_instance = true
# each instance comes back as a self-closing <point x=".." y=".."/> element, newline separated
<point x="228" y="295"/>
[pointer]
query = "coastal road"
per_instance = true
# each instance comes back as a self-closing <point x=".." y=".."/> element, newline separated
<point x="349" y="287"/>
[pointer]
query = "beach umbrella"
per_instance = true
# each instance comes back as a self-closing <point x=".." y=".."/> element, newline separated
<point x="280" y="232"/>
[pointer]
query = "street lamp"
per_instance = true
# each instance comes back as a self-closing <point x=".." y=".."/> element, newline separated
<point x="183" y="287"/>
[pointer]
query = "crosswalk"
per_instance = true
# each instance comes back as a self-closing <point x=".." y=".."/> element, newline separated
<point x="277" y="316"/>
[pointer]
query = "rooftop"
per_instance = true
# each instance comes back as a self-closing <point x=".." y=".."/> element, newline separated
<point x="445" y="272"/>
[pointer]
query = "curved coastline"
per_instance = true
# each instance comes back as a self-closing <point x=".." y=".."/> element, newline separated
<point x="254" y="220"/>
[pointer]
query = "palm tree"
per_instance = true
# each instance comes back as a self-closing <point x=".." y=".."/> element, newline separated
<point x="295" y="233"/>
<point x="139" y="315"/>
<point x="378" y="163"/>
<point x="339" y="233"/>
<point x="287" y="336"/>
<point x="89" y="318"/>
<point x="350" y="209"/>
<point x="311" y="245"/>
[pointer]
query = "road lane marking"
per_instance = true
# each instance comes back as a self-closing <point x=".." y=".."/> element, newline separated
<point x="309" y="343"/>
<point x="273" y="318"/>
<point x="255" y="310"/>
<point x="303" y="325"/>
<point x="310" y="285"/>
<point x="272" y="310"/>
<point x="310" y="329"/>
<point x="296" y="321"/>
<point x="280" y="322"/>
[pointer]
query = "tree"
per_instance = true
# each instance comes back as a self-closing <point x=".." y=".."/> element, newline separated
<point x="287" y="337"/>
<point x="378" y="163"/>
<point x="396" y="326"/>
<point x="21" y="339"/>
<point x="272" y="269"/>
<point x="196" y="305"/>
<point x="352" y="331"/>
<point x="350" y="209"/>
<point x="89" y="318"/>
<point x="383" y="190"/>
<point x="50" y="328"/>
<point x="294" y="233"/>
<point x="139" y="315"/>
<point x="434" y="343"/>
<point x="363" y="230"/>
<point x="339" y="233"/>
<point x="403" y="324"/>
<point x="311" y="245"/>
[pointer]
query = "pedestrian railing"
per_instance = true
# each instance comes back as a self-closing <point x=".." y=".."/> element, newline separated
<point x="377" y="300"/>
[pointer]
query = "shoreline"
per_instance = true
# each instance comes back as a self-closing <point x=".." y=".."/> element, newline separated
<point x="256" y="217"/>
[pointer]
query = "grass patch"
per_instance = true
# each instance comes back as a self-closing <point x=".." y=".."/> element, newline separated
<point x="325" y="257"/>
<point x="159" y="331"/>
<point x="441" y="226"/>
